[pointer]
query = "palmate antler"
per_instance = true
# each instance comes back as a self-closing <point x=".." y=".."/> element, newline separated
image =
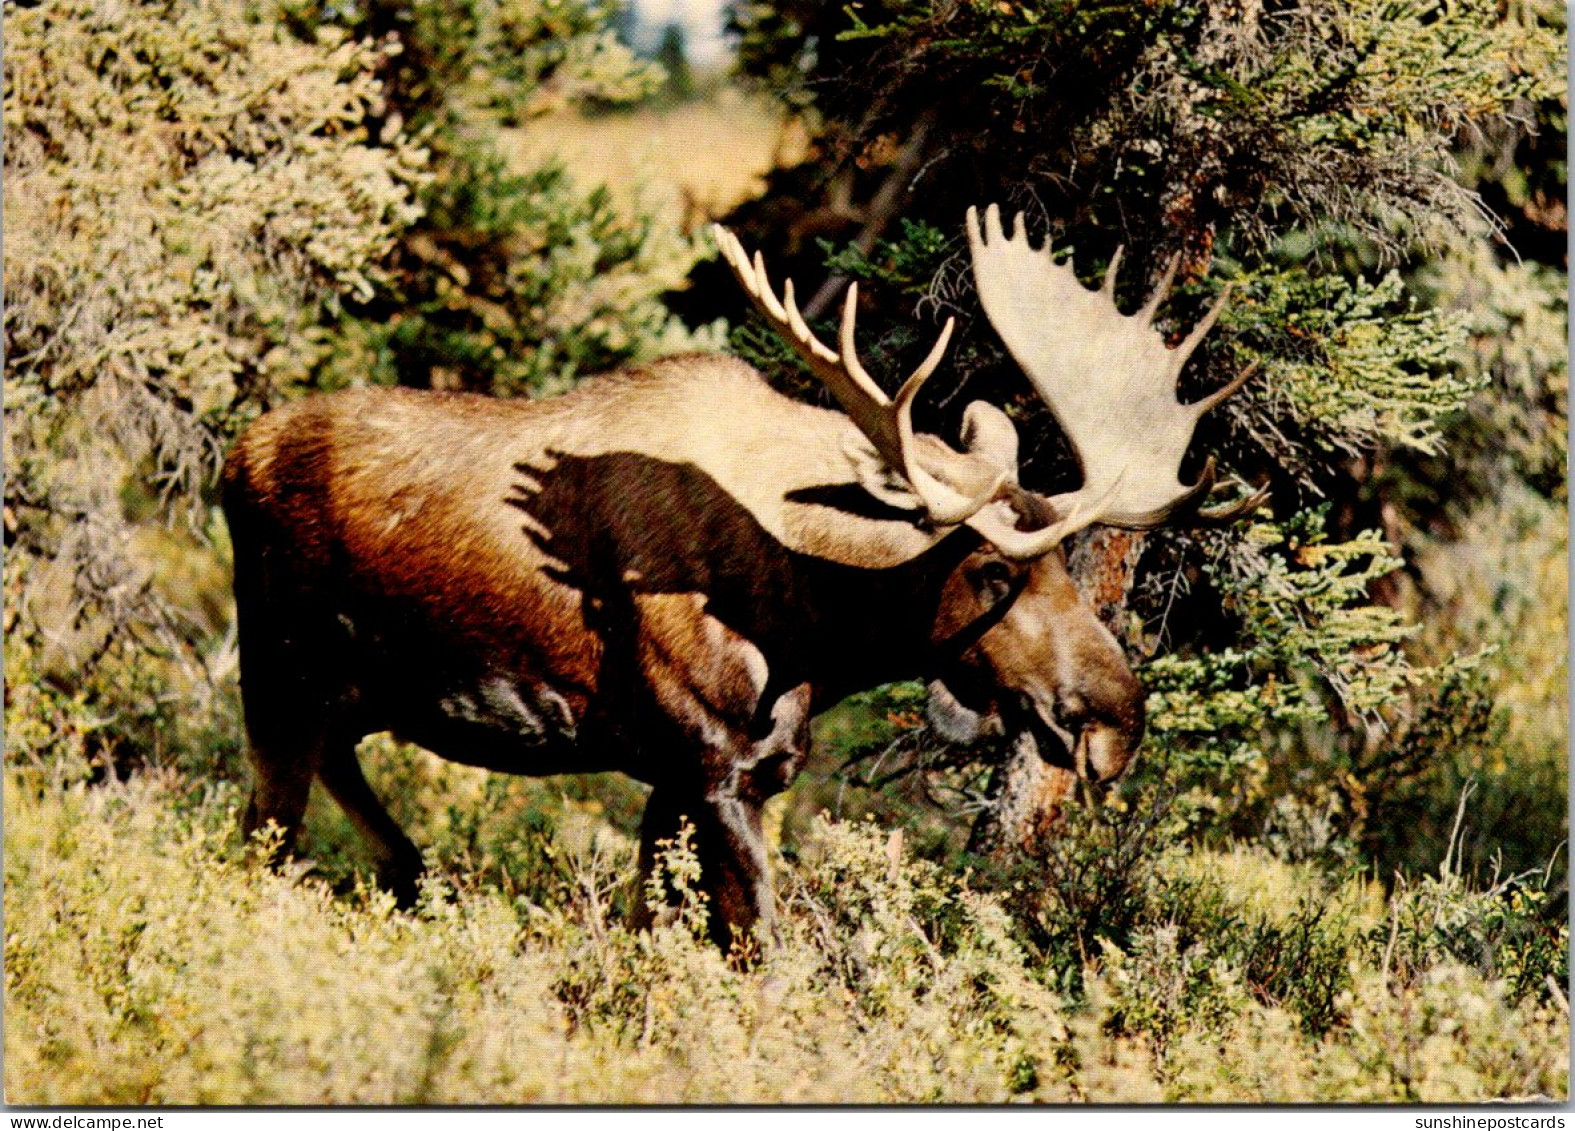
<point x="952" y="486"/>
<point x="1109" y="379"/>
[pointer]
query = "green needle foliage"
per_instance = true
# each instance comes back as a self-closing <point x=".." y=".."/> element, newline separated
<point x="1337" y="164"/>
<point x="511" y="281"/>
<point x="1245" y="116"/>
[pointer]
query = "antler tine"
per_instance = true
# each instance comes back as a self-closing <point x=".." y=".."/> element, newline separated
<point x="767" y="293"/>
<point x="886" y="423"/>
<point x="910" y="388"/>
<point x="849" y="352"/>
<point x="1187" y="508"/>
<point x="1205" y="324"/>
<point x="1224" y="516"/>
<point x="1110" y="273"/>
<point x="1200" y="407"/>
<point x="1161" y="292"/>
<point x="992" y="226"/>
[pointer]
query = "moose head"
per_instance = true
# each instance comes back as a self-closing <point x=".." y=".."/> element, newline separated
<point x="1110" y="381"/>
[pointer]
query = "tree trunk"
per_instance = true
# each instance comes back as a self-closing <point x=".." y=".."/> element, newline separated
<point x="1029" y="793"/>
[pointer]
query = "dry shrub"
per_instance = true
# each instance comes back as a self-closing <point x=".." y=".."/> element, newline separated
<point x="190" y="191"/>
<point x="148" y="961"/>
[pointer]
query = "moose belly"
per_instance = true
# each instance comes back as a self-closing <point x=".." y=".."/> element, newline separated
<point x="498" y="723"/>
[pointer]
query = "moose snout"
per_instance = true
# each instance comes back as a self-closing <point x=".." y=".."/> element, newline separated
<point x="1098" y="746"/>
<point x="1104" y="751"/>
<point x="1103" y="742"/>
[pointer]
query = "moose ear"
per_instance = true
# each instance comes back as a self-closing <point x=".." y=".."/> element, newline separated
<point x="988" y="435"/>
<point x="989" y="432"/>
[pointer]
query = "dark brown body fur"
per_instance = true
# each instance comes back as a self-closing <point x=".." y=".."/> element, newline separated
<point x="666" y="572"/>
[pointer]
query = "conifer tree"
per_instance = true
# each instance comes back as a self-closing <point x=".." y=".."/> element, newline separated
<point x="514" y="279"/>
<point x="1303" y="152"/>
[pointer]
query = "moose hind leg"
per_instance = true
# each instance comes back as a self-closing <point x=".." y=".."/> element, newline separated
<point x="283" y="765"/>
<point x="290" y="712"/>
<point x="397" y="859"/>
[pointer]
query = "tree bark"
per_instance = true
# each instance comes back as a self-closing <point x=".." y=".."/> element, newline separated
<point x="1029" y="794"/>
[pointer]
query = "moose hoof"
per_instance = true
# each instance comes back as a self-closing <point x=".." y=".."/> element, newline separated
<point x="403" y="883"/>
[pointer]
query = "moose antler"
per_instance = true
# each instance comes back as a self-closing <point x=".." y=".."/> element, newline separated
<point x="1109" y="378"/>
<point x="952" y="486"/>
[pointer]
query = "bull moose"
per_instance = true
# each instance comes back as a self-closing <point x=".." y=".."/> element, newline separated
<point x="669" y="570"/>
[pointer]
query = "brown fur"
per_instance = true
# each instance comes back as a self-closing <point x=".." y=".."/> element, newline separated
<point x="665" y="572"/>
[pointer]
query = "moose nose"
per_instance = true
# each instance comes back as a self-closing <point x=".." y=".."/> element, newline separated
<point x="1100" y="742"/>
<point x="1105" y="738"/>
<point x="1103" y="751"/>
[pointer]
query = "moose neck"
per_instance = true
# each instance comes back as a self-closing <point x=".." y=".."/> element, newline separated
<point x="623" y="525"/>
<point x="866" y="627"/>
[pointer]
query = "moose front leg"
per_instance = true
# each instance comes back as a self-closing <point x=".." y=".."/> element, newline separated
<point x="746" y="896"/>
<point x="724" y="808"/>
<point x="729" y="845"/>
<point x="736" y="868"/>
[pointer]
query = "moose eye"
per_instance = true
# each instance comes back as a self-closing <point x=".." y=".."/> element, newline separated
<point x="994" y="581"/>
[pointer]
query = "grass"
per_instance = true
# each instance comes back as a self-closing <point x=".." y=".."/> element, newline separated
<point x="149" y="961"/>
<point x="684" y="163"/>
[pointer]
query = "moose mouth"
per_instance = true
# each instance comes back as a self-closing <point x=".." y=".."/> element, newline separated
<point x="1056" y="745"/>
<point x="1098" y="752"/>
